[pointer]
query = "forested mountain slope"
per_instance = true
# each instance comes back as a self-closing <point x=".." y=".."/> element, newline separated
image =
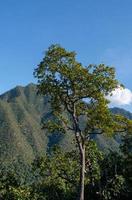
<point x="21" y="110"/>
<point x="21" y="136"/>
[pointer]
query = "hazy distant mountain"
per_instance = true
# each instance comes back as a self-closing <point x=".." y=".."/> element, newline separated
<point x="21" y="136"/>
<point x="122" y="112"/>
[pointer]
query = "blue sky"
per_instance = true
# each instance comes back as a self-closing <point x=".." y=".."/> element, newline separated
<point x="98" y="30"/>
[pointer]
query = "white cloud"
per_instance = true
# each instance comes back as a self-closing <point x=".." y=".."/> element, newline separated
<point x="121" y="97"/>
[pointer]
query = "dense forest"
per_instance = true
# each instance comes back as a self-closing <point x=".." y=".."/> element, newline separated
<point x="45" y="129"/>
<point x="55" y="176"/>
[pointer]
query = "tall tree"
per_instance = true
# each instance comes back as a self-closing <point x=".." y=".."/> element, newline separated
<point x="80" y="92"/>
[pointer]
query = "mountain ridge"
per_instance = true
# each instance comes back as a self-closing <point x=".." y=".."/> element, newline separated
<point x="21" y="111"/>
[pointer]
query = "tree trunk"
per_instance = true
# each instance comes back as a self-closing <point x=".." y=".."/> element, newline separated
<point x="81" y="144"/>
<point x="82" y="174"/>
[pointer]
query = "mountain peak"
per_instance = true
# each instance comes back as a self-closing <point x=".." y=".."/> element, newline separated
<point x="19" y="91"/>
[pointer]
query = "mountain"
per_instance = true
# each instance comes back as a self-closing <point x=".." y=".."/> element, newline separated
<point x="21" y="136"/>
<point x="21" y="110"/>
<point x="121" y="111"/>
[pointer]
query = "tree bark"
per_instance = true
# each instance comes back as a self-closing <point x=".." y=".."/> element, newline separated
<point x="81" y="144"/>
<point x="82" y="174"/>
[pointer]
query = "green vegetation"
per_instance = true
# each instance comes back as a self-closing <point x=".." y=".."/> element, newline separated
<point x="69" y="85"/>
<point x="21" y="136"/>
<point x="83" y="144"/>
<point x="56" y="176"/>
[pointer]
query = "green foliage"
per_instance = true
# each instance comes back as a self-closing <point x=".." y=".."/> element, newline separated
<point x="116" y="167"/>
<point x="94" y="158"/>
<point x="68" y="84"/>
<point x="56" y="176"/>
<point x="59" y="172"/>
<point x="113" y="188"/>
<point x="126" y="149"/>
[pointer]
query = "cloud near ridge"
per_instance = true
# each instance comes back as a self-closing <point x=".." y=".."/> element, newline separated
<point x="121" y="97"/>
